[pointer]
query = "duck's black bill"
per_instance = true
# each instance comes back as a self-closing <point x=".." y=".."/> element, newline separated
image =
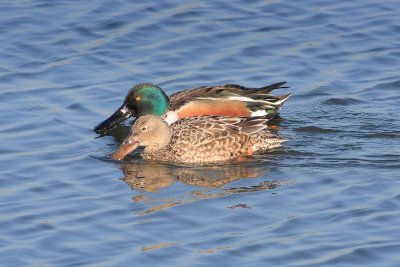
<point x="120" y="115"/>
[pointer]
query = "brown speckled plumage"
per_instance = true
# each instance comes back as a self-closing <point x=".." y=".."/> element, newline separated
<point x="204" y="139"/>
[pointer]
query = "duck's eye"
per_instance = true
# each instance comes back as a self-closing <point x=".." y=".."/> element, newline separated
<point x="144" y="128"/>
<point x="137" y="98"/>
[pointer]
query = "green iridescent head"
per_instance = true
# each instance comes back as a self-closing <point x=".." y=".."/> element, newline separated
<point x="146" y="98"/>
<point x="142" y="99"/>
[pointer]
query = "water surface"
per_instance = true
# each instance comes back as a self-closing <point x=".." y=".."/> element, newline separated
<point x="329" y="197"/>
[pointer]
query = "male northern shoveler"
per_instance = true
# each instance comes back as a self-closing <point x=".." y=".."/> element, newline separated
<point x="199" y="140"/>
<point x="228" y="100"/>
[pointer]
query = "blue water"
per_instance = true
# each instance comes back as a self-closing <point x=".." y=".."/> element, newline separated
<point x="329" y="197"/>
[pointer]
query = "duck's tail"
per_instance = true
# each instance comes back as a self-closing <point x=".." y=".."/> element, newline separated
<point x="268" y="105"/>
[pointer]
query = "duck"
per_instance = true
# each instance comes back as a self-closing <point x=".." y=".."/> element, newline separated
<point x="199" y="139"/>
<point x="228" y="100"/>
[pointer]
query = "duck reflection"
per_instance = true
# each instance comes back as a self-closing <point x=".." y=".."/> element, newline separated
<point x="148" y="177"/>
<point x="152" y="176"/>
<point x="211" y="181"/>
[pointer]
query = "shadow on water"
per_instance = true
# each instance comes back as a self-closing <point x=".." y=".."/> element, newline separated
<point x="210" y="181"/>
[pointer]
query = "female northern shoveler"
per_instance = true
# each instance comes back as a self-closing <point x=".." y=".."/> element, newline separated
<point x="203" y="139"/>
<point x="228" y="100"/>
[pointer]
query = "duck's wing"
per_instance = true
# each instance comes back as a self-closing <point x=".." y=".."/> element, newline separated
<point x="220" y="131"/>
<point x="226" y="100"/>
<point x="223" y="91"/>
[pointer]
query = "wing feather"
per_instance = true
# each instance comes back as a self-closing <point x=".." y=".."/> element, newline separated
<point x="224" y="92"/>
<point x="204" y="130"/>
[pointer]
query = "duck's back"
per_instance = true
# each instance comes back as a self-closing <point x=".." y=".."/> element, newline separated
<point x="225" y="91"/>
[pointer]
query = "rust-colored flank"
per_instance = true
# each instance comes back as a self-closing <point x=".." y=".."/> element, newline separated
<point x="214" y="107"/>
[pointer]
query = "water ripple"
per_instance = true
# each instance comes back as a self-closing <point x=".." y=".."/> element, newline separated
<point x="328" y="197"/>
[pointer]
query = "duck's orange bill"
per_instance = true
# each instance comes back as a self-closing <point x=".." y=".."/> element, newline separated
<point x="125" y="149"/>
